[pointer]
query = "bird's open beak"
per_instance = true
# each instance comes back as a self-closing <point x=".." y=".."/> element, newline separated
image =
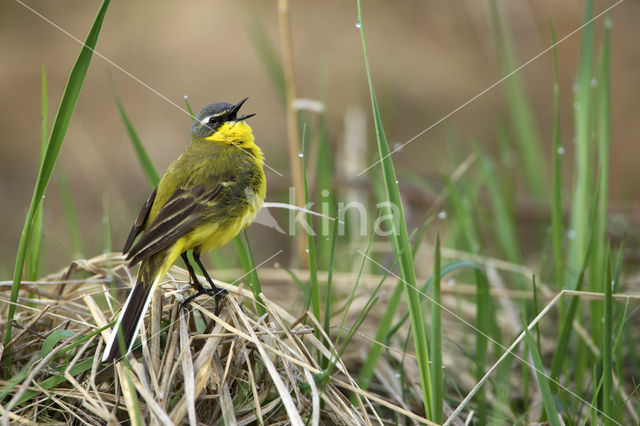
<point x="236" y="108"/>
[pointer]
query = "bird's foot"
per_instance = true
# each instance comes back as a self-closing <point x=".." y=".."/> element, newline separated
<point x="216" y="292"/>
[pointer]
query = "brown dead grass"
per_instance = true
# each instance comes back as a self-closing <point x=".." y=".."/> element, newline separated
<point x="192" y="367"/>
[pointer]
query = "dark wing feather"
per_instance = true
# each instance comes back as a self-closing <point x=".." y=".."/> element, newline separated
<point x="140" y="221"/>
<point x="180" y="215"/>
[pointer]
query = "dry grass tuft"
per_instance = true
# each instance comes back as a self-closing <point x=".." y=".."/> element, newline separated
<point x="190" y="366"/>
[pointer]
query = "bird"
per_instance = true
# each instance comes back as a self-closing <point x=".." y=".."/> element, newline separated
<point x="211" y="192"/>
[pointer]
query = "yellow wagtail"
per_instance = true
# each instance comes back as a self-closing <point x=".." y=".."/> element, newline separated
<point x="209" y="194"/>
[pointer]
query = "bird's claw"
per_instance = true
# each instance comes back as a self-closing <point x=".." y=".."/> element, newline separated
<point x="217" y="293"/>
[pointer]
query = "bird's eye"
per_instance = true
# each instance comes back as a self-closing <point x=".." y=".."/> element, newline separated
<point x="212" y="120"/>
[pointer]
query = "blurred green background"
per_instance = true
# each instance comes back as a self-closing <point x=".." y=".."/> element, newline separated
<point x="427" y="57"/>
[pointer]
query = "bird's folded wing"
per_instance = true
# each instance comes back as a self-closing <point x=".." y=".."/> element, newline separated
<point x="181" y="214"/>
<point x="138" y="226"/>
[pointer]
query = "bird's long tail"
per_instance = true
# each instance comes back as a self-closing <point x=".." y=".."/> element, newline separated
<point x="124" y="332"/>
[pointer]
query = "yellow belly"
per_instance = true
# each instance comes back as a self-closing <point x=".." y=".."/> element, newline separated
<point x="213" y="236"/>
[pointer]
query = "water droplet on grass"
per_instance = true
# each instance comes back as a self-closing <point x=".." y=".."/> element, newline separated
<point x="358" y="23"/>
<point x="560" y="150"/>
<point x="300" y="155"/>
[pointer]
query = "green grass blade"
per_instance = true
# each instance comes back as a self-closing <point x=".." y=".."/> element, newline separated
<point x="560" y="353"/>
<point x="437" y="375"/>
<point x="446" y="269"/>
<point x="53" y="339"/>
<point x="557" y="223"/>
<point x="593" y="412"/>
<point x="325" y="171"/>
<point x="543" y="381"/>
<point x="53" y="381"/>
<point x="145" y="161"/>
<point x="328" y="297"/>
<point x="483" y="322"/>
<point x="323" y="378"/>
<point x="368" y="368"/>
<point x="33" y="260"/>
<point x="400" y="239"/>
<point x="603" y="117"/>
<point x="70" y="214"/>
<point x="385" y="323"/>
<point x="356" y="285"/>
<point x="504" y="220"/>
<point x="133" y="407"/>
<point x="107" y="245"/>
<point x="522" y="117"/>
<point x="566" y="323"/>
<point x="11" y="384"/>
<point x="188" y="105"/>
<point x="582" y="120"/>
<point x="245" y="255"/>
<point x="311" y="243"/>
<point x="58" y="132"/>
<point x="35" y="246"/>
<point x="362" y="314"/>
<point x="607" y="349"/>
<point x="464" y="229"/>
<point x="536" y="309"/>
<point x="621" y="314"/>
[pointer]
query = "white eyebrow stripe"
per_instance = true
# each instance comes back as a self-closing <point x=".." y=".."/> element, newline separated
<point x="206" y="119"/>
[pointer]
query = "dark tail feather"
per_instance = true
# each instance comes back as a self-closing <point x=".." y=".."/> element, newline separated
<point x="130" y="317"/>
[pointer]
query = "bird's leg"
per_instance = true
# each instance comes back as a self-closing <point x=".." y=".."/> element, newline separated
<point x="192" y="274"/>
<point x="195" y="282"/>
<point x="218" y="293"/>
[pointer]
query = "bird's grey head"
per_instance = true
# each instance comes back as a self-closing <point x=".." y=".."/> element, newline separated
<point x="211" y="117"/>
